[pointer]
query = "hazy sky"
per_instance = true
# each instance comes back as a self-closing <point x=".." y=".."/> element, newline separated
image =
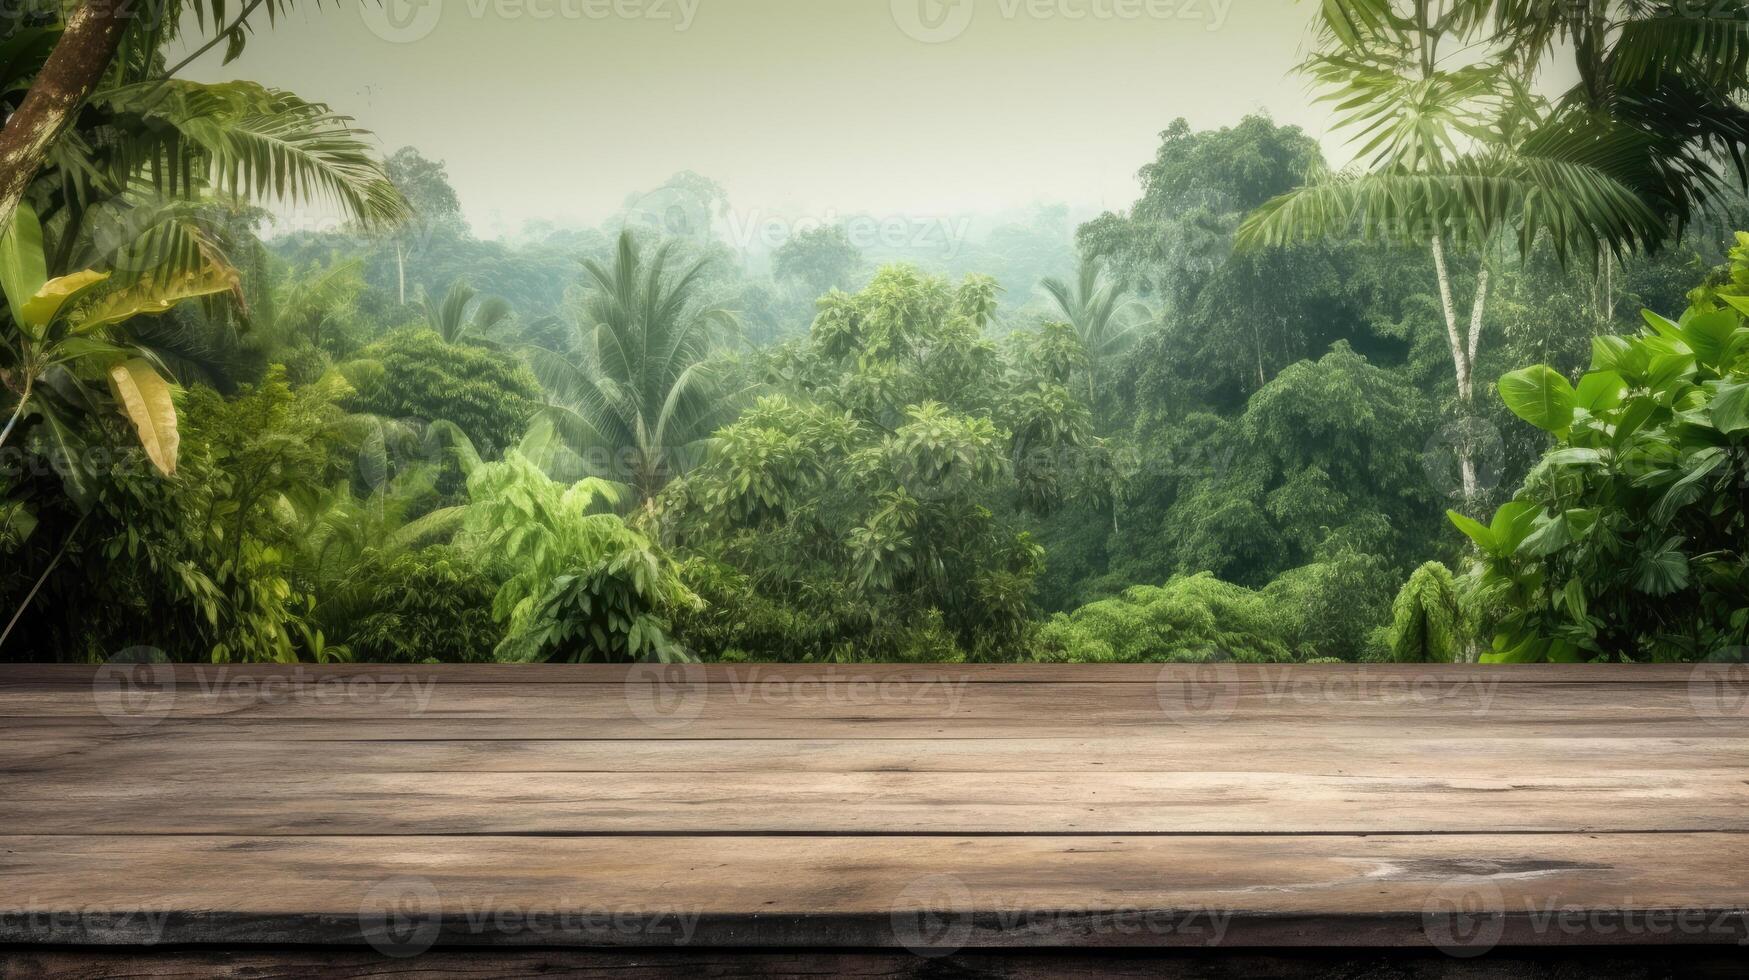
<point x="561" y="108"/>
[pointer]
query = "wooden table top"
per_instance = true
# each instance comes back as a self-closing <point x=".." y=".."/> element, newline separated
<point x="921" y="807"/>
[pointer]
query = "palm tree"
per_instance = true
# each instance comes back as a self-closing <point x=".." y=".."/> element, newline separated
<point x="234" y="136"/>
<point x="449" y="317"/>
<point x="1455" y="151"/>
<point x="1103" y="319"/>
<point x="126" y="162"/>
<point x="1674" y="73"/>
<point x="636" y="386"/>
<point x="311" y="300"/>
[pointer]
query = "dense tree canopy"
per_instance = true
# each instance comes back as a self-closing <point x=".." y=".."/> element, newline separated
<point x="1265" y="412"/>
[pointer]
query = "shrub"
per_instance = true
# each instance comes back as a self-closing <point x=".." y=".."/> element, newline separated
<point x="414" y="374"/>
<point x="1627" y="541"/>
<point x="1190" y="619"/>
<point x="1430" y="623"/>
<point x="431" y="606"/>
<point x="579" y="584"/>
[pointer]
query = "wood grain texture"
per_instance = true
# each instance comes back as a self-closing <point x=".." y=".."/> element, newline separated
<point x="1620" y="963"/>
<point x="866" y="807"/>
<point x="860" y="891"/>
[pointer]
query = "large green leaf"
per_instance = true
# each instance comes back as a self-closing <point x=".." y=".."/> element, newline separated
<point x="145" y="399"/>
<point x="1600" y="390"/>
<point x="1512" y="524"/>
<point x="1709" y="335"/>
<point x="1541" y="396"/>
<point x="23" y="270"/>
<point x="1730" y="408"/>
<point x="1662" y="570"/>
<point x="1476" y="530"/>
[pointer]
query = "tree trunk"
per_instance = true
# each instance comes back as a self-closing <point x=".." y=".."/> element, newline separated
<point x="1464" y="353"/>
<point x="1608" y="289"/>
<point x="1460" y="363"/>
<point x="73" y="69"/>
<point x="401" y="270"/>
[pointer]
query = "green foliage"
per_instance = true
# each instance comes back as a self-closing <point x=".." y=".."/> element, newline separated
<point x="413" y="375"/>
<point x="578" y="585"/>
<point x="1626" y="541"/>
<point x="913" y="479"/>
<point x="1326" y="611"/>
<point x="1335" y="605"/>
<point x="1328" y="454"/>
<point x="819" y="259"/>
<point x="200" y="565"/>
<point x="1429" y="619"/>
<point x="431" y="606"/>
<point x="1190" y="619"/>
<point x="1177" y="233"/>
<point x="877" y="484"/>
<point x="635" y="396"/>
<point x="464" y="314"/>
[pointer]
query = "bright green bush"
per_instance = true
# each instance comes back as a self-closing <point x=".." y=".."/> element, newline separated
<point x="430" y="606"/>
<point x="1190" y="619"/>
<point x="1628" y="540"/>
<point x="579" y="585"/>
<point x="412" y="374"/>
<point x="1430" y="622"/>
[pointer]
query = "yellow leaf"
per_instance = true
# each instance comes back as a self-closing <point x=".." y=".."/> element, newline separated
<point x="148" y="297"/>
<point x="39" y="311"/>
<point x="145" y="399"/>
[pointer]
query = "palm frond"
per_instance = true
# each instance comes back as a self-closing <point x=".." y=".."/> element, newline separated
<point x="244" y="139"/>
<point x="1555" y="188"/>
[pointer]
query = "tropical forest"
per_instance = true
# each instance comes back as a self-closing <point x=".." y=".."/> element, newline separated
<point x="1439" y="356"/>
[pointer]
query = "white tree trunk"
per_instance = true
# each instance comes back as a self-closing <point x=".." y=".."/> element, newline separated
<point x="1464" y="353"/>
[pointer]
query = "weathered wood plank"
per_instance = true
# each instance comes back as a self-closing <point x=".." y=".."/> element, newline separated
<point x="1619" y="962"/>
<point x="793" y="806"/>
<point x="80" y="759"/>
<point x="1036" y="723"/>
<point x="857" y="891"/>
<point x="703" y="706"/>
<point x="265" y="801"/>
<point x="79" y="674"/>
